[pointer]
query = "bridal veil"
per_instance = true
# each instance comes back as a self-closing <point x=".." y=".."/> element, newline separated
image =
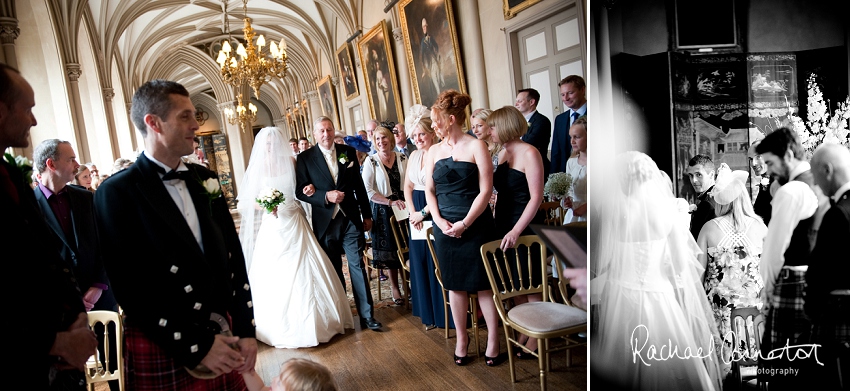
<point x="272" y="164"/>
<point x="646" y="288"/>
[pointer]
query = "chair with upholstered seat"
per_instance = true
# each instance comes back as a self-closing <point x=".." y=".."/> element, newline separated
<point x="97" y="369"/>
<point x="543" y="320"/>
<point x="401" y="233"/>
<point x="473" y="297"/>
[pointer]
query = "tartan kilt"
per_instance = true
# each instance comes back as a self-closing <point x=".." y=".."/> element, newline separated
<point x="148" y="367"/>
<point x="787" y="321"/>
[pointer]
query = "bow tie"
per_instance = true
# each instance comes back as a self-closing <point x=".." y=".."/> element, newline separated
<point x="173" y="174"/>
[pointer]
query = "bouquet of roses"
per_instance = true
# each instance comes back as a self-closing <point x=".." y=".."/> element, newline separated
<point x="270" y="198"/>
<point x="558" y="185"/>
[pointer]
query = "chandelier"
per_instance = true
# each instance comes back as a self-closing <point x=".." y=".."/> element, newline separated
<point x="242" y="115"/>
<point x="254" y="67"/>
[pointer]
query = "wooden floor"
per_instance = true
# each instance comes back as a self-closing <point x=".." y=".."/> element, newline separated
<point x="403" y="356"/>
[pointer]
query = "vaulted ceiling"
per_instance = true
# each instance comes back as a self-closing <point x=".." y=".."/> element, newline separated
<point x="179" y="39"/>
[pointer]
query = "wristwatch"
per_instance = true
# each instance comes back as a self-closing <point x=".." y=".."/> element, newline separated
<point x="423" y="212"/>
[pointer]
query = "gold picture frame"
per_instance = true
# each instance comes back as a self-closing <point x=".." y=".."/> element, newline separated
<point x="347" y="73"/>
<point x="512" y="7"/>
<point x="431" y="45"/>
<point x="327" y="100"/>
<point x="376" y="61"/>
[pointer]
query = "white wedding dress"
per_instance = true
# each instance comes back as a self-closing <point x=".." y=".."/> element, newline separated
<point x="298" y="298"/>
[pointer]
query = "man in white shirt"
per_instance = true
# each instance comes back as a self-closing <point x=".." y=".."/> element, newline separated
<point x="786" y="249"/>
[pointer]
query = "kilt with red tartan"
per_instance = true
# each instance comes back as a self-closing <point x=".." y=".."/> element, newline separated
<point x="786" y="324"/>
<point x="149" y="368"/>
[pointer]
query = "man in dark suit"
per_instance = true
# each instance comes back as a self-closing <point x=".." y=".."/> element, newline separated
<point x="573" y="95"/>
<point x="701" y="173"/>
<point x="51" y="333"/>
<point x="763" y="181"/>
<point x="539" y="127"/>
<point x="402" y="143"/>
<point x="69" y="212"/>
<point x="828" y="265"/>
<point x="174" y="258"/>
<point x="328" y="177"/>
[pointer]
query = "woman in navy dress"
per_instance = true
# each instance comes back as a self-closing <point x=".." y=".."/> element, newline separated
<point x="459" y="184"/>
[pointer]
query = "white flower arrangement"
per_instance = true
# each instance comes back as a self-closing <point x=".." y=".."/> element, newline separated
<point x="559" y="185"/>
<point x="821" y="126"/>
<point x="343" y="158"/>
<point x="212" y="187"/>
<point x="270" y="198"/>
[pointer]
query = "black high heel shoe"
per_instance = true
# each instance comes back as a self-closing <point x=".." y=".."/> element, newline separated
<point x="494" y="361"/>
<point x="461" y="361"/>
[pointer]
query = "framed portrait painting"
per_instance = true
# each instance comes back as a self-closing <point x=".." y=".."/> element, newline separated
<point x="512" y="7"/>
<point x="378" y="67"/>
<point x="327" y="99"/>
<point x="430" y="41"/>
<point x="347" y="75"/>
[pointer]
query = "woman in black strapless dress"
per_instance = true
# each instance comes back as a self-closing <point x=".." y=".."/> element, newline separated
<point x="519" y="183"/>
<point x="458" y="185"/>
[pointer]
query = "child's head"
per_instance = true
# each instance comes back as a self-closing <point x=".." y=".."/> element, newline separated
<point x="298" y="374"/>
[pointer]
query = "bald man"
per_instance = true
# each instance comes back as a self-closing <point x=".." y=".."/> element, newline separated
<point x="828" y="264"/>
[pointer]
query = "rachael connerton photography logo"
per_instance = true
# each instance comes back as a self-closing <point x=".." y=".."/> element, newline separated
<point x="644" y="351"/>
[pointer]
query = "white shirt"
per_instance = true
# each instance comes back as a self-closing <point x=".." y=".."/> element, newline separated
<point x="840" y="192"/>
<point x="176" y="188"/>
<point x="793" y="202"/>
<point x="330" y="159"/>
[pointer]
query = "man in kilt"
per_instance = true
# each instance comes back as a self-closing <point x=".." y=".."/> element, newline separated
<point x="827" y="286"/>
<point x="790" y="238"/>
<point x="174" y="258"/>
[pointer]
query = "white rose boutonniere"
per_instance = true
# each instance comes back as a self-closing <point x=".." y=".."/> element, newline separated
<point x="343" y="158"/>
<point x="765" y="181"/>
<point x="212" y="187"/>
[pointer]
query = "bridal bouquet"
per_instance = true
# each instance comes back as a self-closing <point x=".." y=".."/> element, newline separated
<point x="270" y="198"/>
<point x="558" y="185"/>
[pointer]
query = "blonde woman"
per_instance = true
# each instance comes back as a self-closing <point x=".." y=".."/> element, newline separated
<point x="425" y="289"/>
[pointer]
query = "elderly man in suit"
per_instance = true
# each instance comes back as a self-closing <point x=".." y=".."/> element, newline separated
<point x="402" y="143"/>
<point x="52" y="333"/>
<point x="328" y="177"/>
<point x="69" y="212"/>
<point x="573" y="95"/>
<point x="174" y="257"/>
<point x="539" y="127"/>
<point x="828" y="269"/>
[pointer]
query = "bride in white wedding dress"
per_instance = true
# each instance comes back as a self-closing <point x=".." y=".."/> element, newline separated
<point x="298" y="298"/>
<point x="654" y="329"/>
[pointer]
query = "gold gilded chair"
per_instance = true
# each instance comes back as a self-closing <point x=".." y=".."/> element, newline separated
<point x="97" y="369"/>
<point x="473" y="297"/>
<point x="543" y="320"/>
<point x="401" y="233"/>
<point x="554" y="213"/>
<point x="747" y="325"/>
<point x="370" y="268"/>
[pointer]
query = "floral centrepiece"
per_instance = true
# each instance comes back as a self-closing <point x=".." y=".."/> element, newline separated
<point x="270" y="198"/>
<point x="23" y="164"/>
<point x="821" y="126"/>
<point x="558" y="185"/>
